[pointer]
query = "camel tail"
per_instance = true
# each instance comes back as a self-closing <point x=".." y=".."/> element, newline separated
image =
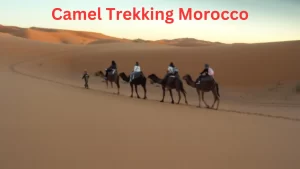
<point x="217" y="85"/>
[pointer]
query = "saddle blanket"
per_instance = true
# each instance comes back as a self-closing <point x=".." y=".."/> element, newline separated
<point x="207" y="78"/>
<point x="112" y="72"/>
<point x="135" y="75"/>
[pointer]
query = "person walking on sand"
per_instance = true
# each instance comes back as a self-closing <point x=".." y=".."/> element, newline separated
<point x="86" y="77"/>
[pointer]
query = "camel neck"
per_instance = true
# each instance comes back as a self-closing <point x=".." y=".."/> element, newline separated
<point x="190" y="82"/>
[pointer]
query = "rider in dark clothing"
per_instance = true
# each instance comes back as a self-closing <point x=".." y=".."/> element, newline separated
<point x="203" y="73"/>
<point x="86" y="79"/>
<point x="113" y="66"/>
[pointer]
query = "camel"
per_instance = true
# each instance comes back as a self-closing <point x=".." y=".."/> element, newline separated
<point x="111" y="77"/>
<point x="172" y="82"/>
<point x="204" y="86"/>
<point x="141" y="80"/>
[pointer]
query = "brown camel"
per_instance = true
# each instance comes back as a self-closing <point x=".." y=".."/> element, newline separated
<point x="205" y="86"/>
<point x="172" y="82"/>
<point x="111" y="77"/>
<point x="140" y="80"/>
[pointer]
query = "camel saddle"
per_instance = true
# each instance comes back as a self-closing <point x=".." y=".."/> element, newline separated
<point x="112" y="72"/>
<point x="207" y="79"/>
<point x="173" y="77"/>
<point x="136" y="74"/>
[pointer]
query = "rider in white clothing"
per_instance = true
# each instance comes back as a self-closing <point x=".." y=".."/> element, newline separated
<point x="136" y="69"/>
<point x="172" y="70"/>
<point x="210" y="72"/>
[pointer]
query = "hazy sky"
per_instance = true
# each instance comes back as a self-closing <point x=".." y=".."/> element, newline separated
<point x="269" y="20"/>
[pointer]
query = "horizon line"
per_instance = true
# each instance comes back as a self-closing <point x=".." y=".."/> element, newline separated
<point x="76" y="30"/>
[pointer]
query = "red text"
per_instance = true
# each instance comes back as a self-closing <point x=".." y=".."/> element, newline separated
<point x="214" y="15"/>
<point x="59" y="14"/>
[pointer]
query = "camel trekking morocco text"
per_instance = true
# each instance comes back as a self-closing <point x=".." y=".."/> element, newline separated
<point x="148" y="14"/>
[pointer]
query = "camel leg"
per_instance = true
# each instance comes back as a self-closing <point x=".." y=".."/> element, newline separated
<point x="171" y="94"/>
<point x="218" y="104"/>
<point x="118" y="85"/>
<point x="202" y="93"/>
<point x="164" y="93"/>
<point x="179" y="96"/>
<point x="106" y="84"/>
<point x="216" y="99"/>
<point x="145" y="91"/>
<point x="136" y="91"/>
<point x="183" y="92"/>
<point x="111" y="84"/>
<point x="131" y="90"/>
<point x="199" y="98"/>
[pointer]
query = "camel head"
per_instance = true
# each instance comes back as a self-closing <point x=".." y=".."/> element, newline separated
<point x="187" y="77"/>
<point x="97" y="73"/>
<point x="101" y="73"/>
<point x="122" y="74"/>
<point x="152" y="76"/>
<point x="124" y="77"/>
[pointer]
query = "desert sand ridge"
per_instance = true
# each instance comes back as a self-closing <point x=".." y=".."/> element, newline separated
<point x="83" y="37"/>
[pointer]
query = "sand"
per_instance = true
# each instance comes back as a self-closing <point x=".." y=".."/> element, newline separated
<point x="48" y="120"/>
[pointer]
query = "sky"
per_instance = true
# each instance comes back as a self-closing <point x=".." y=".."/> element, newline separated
<point x="268" y="21"/>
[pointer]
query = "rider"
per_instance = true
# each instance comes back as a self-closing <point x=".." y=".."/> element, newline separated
<point x="136" y="69"/>
<point x="208" y="71"/>
<point x="86" y="78"/>
<point x="112" y="67"/>
<point x="172" y="70"/>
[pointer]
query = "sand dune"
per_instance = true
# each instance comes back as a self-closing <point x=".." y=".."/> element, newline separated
<point x="81" y="37"/>
<point x="48" y="120"/>
<point x="55" y="35"/>
<point x="187" y="42"/>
